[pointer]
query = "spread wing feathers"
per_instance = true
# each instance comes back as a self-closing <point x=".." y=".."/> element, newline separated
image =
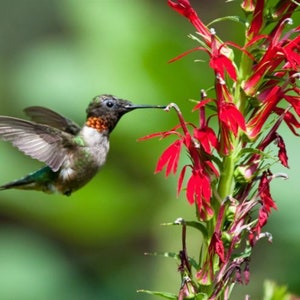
<point x="36" y="140"/>
<point x="49" y="117"/>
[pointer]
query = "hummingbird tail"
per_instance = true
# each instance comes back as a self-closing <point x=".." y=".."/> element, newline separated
<point x="16" y="184"/>
<point x="38" y="180"/>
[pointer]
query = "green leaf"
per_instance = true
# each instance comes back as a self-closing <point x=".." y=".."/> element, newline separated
<point x="245" y="151"/>
<point x="198" y="225"/>
<point x="245" y="254"/>
<point x="201" y="296"/>
<point x="228" y="18"/>
<point x="161" y="294"/>
<point x="195" y="224"/>
<point x="193" y="263"/>
<point x="164" y="254"/>
<point x="275" y="292"/>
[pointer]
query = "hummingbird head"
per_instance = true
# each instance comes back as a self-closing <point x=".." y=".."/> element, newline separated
<point x="104" y="112"/>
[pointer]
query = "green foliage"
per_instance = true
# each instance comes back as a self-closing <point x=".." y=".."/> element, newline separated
<point x="272" y="291"/>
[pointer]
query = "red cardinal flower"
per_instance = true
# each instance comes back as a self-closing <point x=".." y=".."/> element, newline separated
<point x="199" y="188"/>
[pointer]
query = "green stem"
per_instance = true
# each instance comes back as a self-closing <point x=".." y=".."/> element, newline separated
<point x="244" y="70"/>
<point x="226" y="178"/>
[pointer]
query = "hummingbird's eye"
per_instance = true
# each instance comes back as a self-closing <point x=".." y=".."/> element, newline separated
<point x="109" y="103"/>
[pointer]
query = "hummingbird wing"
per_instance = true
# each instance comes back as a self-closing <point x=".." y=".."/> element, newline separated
<point x="49" y="117"/>
<point x="47" y="144"/>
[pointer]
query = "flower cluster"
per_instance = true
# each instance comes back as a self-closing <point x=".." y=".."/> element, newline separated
<point x="229" y="173"/>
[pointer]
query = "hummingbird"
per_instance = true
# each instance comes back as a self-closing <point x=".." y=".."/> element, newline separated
<point x="72" y="154"/>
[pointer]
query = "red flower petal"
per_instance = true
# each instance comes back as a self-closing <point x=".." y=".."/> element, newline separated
<point x="221" y="63"/>
<point x="263" y="216"/>
<point x="180" y="180"/>
<point x="207" y="138"/>
<point x="198" y="189"/>
<point x="258" y="18"/>
<point x="216" y="246"/>
<point x="269" y="103"/>
<point x="289" y="119"/>
<point x="282" y="154"/>
<point x="264" y="193"/>
<point x="202" y="103"/>
<point x="170" y="158"/>
<point x="231" y="117"/>
<point x="184" y="8"/>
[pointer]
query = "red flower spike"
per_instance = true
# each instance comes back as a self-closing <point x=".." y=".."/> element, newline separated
<point x="268" y="70"/>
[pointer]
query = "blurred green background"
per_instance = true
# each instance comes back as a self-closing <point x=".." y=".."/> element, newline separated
<point x="60" y="54"/>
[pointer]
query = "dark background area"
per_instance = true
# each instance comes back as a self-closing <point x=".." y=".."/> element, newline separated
<point x="60" y="54"/>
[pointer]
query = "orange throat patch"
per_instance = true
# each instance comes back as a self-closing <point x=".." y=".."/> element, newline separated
<point x="96" y="123"/>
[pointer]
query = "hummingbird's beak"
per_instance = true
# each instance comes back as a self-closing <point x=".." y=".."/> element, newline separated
<point x="133" y="106"/>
